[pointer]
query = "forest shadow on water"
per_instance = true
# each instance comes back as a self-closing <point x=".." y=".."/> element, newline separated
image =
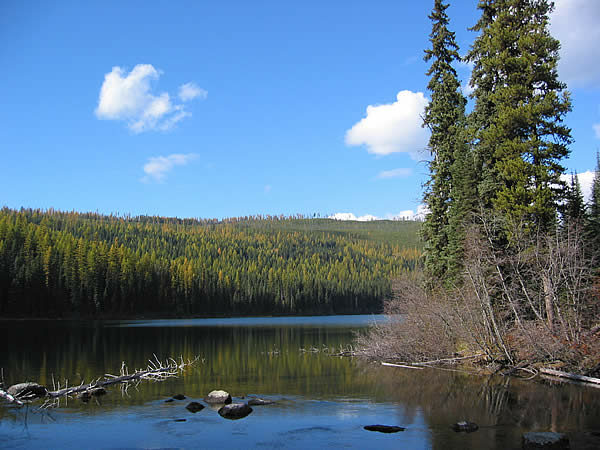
<point x="320" y="400"/>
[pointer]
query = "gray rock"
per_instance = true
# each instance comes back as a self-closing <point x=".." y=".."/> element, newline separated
<point x="259" y="402"/>
<point x="218" y="397"/>
<point x="27" y="391"/>
<point x="384" y="428"/>
<point x="545" y="440"/>
<point x="235" y="411"/>
<point x="194" y="407"/>
<point x="179" y="397"/>
<point x="467" y="427"/>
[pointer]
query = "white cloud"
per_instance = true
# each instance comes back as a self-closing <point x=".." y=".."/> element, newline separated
<point x="395" y="173"/>
<point x="597" y="129"/>
<point x="129" y="97"/>
<point x="409" y="214"/>
<point x="190" y="91"/>
<point x="158" y="167"/>
<point x="268" y="188"/>
<point x="392" y="128"/>
<point x="586" y="179"/>
<point x="350" y="216"/>
<point x="575" y="24"/>
<point x="467" y="89"/>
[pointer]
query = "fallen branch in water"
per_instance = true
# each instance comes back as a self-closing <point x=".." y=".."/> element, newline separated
<point x="570" y="376"/>
<point x="11" y="399"/>
<point x="156" y="371"/>
<point x="401" y="365"/>
<point x="447" y="360"/>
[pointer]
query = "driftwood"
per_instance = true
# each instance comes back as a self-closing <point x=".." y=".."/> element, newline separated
<point x="447" y="360"/>
<point x="6" y="396"/>
<point x="401" y="365"/>
<point x="155" y="371"/>
<point x="570" y="376"/>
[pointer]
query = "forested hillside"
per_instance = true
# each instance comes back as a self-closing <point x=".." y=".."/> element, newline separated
<point x="59" y="264"/>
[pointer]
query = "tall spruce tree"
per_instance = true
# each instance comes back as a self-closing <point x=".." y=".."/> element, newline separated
<point x="517" y="123"/>
<point x="575" y="211"/>
<point x="445" y="118"/>
<point x="593" y="218"/>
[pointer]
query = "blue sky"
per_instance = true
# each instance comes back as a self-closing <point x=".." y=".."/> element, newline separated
<point x="233" y="108"/>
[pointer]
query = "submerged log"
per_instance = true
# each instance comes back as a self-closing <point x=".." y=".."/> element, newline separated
<point x="401" y="365"/>
<point x="570" y="376"/>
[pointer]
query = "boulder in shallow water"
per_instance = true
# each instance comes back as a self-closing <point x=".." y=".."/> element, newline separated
<point x="384" y="428"/>
<point x="179" y="397"/>
<point x="194" y="407"/>
<point x="259" y="402"/>
<point x="235" y="411"/>
<point x="464" y="426"/>
<point x="27" y="391"/>
<point x="218" y="397"/>
<point x="545" y="440"/>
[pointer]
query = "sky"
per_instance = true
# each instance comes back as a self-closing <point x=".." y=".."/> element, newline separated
<point x="236" y="108"/>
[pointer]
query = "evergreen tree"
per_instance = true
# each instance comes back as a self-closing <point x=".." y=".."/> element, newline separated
<point x="574" y="212"/>
<point x="445" y="118"/>
<point x="593" y="218"/>
<point x="517" y="122"/>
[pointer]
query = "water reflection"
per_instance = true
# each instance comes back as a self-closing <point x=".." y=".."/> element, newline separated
<point x="318" y="395"/>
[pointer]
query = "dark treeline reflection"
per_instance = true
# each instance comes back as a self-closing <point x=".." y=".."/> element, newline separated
<point x="268" y="361"/>
<point x="504" y="407"/>
<point x="241" y="359"/>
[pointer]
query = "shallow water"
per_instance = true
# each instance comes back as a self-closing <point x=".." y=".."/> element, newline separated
<point x="321" y="401"/>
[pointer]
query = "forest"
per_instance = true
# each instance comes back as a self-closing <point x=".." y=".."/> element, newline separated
<point x="70" y="264"/>
<point x="511" y="246"/>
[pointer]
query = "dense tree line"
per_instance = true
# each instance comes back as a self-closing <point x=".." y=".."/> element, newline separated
<point x="502" y="159"/>
<point x="55" y="263"/>
<point x="511" y="248"/>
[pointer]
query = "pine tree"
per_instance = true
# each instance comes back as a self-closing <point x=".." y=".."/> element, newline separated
<point x="445" y="118"/>
<point x="575" y="211"/>
<point x="593" y="218"/>
<point x="517" y="121"/>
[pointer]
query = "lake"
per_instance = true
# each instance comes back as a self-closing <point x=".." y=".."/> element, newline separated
<point x="321" y="401"/>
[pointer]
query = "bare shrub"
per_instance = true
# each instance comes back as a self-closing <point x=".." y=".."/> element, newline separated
<point x="524" y="300"/>
<point x="419" y="326"/>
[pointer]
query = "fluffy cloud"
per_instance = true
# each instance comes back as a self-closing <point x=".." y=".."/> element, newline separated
<point x="586" y="179"/>
<point x="350" y="216"/>
<point x="395" y="173"/>
<point x="129" y="97"/>
<point x="597" y="130"/>
<point x="575" y="24"/>
<point x="157" y="168"/>
<point x="409" y="214"/>
<point x="190" y="91"/>
<point x="392" y="128"/>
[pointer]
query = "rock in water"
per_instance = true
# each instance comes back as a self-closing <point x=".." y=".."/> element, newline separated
<point x="467" y="427"/>
<point x="194" y="407"/>
<point x="384" y="428"/>
<point x="259" y="402"/>
<point x="545" y="440"/>
<point x="235" y="411"/>
<point x="179" y="397"/>
<point x="218" y="397"/>
<point x="27" y="391"/>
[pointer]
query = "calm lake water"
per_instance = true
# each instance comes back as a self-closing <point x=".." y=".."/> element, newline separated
<point x="322" y="401"/>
